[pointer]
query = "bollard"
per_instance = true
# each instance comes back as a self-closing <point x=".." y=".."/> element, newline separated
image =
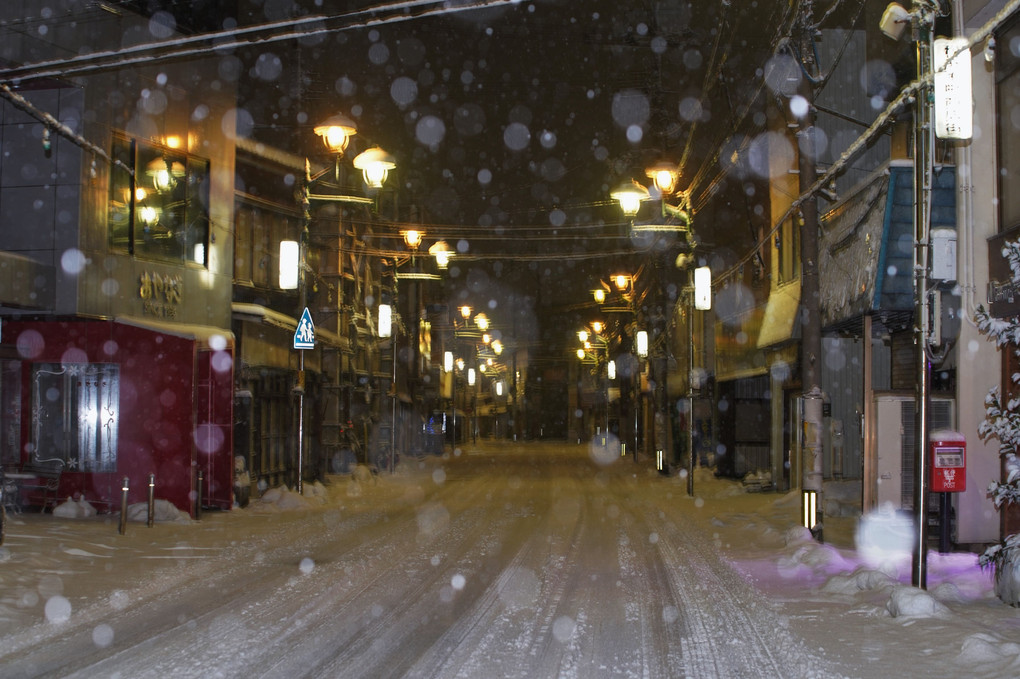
<point x="152" y="499"/>
<point x="198" y="496"/>
<point x="123" y="506"/>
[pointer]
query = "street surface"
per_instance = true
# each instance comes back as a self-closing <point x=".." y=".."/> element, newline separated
<point x="508" y="560"/>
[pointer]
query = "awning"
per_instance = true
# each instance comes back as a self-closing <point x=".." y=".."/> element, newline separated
<point x="261" y="314"/>
<point x="852" y="247"/>
<point x="866" y="248"/>
<point x="207" y="336"/>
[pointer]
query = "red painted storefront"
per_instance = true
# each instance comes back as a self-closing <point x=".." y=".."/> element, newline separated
<point x="168" y="397"/>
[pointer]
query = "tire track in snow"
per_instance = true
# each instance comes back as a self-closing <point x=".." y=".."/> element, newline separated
<point x="380" y="614"/>
<point x="731" y="629"/>
<point x="477" y="644"/>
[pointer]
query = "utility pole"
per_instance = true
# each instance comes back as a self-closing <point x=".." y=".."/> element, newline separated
<point x="811" y="337"/>
<point x="922" y="24"/>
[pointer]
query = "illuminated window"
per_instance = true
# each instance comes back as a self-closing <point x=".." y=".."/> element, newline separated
<point x="77" y="412"/>
<point x="162" y="212"/>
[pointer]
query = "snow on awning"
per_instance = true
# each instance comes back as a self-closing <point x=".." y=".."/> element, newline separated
<point x="865" y="253"/>
<point x="780" y="314"/>
<point x="261" y="314"/>
<point x="207" y="336"/>
<point x="852" y="243"/>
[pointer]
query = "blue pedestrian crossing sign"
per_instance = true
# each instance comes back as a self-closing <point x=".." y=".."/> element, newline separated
<point x="304" y="336"/>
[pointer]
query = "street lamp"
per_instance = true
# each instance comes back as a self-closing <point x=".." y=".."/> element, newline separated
<point x="664" y="175"/>
<point x="413" y="239"/>
<point x="630" y="196"/>
<point x="676" y="219"/>
<point x="375" y="165"/>
<point x="595" y="348"/>
<point x="335" y="133"/>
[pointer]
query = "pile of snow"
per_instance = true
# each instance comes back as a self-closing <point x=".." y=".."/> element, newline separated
<point x="283" y="498"/>
<point x="74" y="509"/>
<point x="163" y="512"/>
<point x="987" y="655"/>
<point x="911" y="602"/>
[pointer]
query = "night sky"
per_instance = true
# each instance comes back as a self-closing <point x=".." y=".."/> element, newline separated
<point x="511" y="124"/>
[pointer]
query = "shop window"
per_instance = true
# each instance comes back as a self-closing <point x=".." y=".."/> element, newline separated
<point x="76" y="409"/>
<point x="159" y="203"/>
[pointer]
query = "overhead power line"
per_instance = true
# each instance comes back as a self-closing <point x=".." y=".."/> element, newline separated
<point x="225" y="41"/>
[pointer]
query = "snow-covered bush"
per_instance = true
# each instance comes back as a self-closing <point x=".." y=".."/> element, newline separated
<point x="1002" y="422"/>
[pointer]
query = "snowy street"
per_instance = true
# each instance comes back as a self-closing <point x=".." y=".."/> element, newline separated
<point x="517" y="560"/>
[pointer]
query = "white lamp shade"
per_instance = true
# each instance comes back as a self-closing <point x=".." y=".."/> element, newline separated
<point x="385" y="320"/>
<point x="336" y="131"/>
<point x="703" y="288"/>
<point x="629" y="196"/>
<point x="642" y="343"/>
<point x="664" y="175"/>
<point x="375" y="164"/>
<point x="290" y="264"/>
<point x="894" y="20"/>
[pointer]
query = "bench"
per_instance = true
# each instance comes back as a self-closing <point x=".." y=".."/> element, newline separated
<point x="41" y="479"/>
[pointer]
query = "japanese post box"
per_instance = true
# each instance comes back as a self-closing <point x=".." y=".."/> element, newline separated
<point x="948" y="461"/>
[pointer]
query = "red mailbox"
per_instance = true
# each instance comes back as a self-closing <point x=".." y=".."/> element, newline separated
<point x="948" y="461"/>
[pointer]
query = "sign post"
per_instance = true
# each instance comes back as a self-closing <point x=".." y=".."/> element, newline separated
<point x="304" y="338"/>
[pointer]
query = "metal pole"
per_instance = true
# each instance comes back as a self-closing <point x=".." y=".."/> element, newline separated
<point x="198" y="495"/>
<point x="123" y="506"/>
<point x="690" y="385"/>
<point x="152" y="499"/>
<point x="924" y="133"/>
<point x="637" y="408"/>
<point x="393" y="402"/>
<point x="301" y="420"/>
<point x="393" y="352"/>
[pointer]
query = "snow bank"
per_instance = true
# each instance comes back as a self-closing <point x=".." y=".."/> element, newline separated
<point x="987" y="655"/>
<point x="163" y="512"/>
<point x="861" y="580"/>
<point x="910" y="602"/>
<point x="283" y="498"/>
<point x="74" y="509"/>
